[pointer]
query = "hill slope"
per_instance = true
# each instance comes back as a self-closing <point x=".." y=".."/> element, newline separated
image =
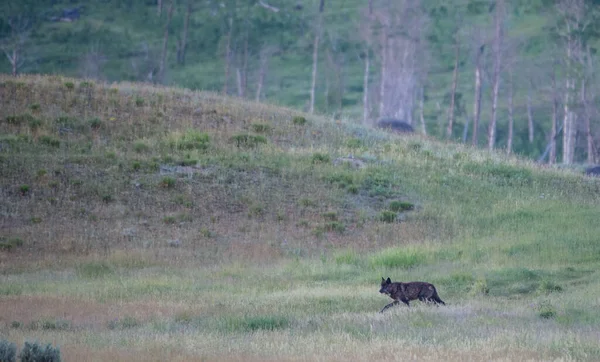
<point x="196" y="218"/>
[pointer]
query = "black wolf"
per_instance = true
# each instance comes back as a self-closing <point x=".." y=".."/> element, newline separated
<point x="405" y="292"/>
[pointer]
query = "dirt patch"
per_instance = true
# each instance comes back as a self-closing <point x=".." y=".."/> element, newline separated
<point x="83" y="313"/>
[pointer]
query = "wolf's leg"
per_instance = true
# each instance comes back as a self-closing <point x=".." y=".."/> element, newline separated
<point x="390" y="305"/>
<point x="405" y="301"/>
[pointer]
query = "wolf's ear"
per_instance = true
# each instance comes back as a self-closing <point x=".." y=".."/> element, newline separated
<point x="389" y="281"/>
<point x="382" y="279"/>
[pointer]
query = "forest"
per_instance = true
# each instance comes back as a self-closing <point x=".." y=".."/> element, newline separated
<point x="515" y="75"/>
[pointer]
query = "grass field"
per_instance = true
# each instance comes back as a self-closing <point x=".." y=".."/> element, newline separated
<point x="144" y="223"/>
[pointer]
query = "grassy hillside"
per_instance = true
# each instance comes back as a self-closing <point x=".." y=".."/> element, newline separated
<point x="148" y="223"/>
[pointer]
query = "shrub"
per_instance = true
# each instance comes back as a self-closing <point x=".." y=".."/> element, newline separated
<point x="140" y="147"/>
<point x="24" y="189"/>
<point x="34" y="352"/>
<point x="330" y="215"/>
<point x="8" y="351"/>
<point x="299" y="121"/>
<point x="19" y="119"/>
<point x="320" y="158"/>
<point x="192" y="140"/>
<point x="35" y="107"/>
<point x="388" y="216"/>
<point x="261" y="127"/>
<point x="69" y="85"/>
<point x="35" y="123"/>
<point x="10" y="244"/>
<point x="546" y="310"/>
<point x="95" y="123"/>
<point x="547" y="286"/>
<point x="354" y="143"/>
<point x="248" y="140"/>
<point x="334" y="226"/>
<point x="399" y="206"/>
<point x="49" y="141"/>
<point x="168" y="182"/>
<point x="139" y="101"/>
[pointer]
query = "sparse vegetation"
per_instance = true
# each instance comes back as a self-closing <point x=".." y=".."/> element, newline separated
<point x="35" y="352"/>
<point x="264" y="247"/>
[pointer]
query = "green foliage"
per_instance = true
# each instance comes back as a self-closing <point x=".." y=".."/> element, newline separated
<point x="35" y="107"/>
<point x="8" y="244"/>
<point x="320" y="158"/>
<point x="546" y="310"/>
<point x="93" y="270"/>
<point x="399" y="206"/>
<point x="141" y="146"/>
<point x="299" y="120"/>
<point x="354" y="143"/>
<point x="49" y="141"/>
<point x="191" y="140"/>
<point x="95" y="123"/>
<point x="70" y="85"/>
<point x="19" y="119"/>
<point x="255" y="323"/>
<point x="24" y="189"/>
<point x="8" y="351"/>
<point x="248" y="140"/>
<point x="547" y="286"/>
<point x="388" y="216"/>
<point x="139" y="101"/>
<point x="34" y="352"/>
<point x="398" y="258"/>
<point x="261" y="127"/>
<point x="349" y="257"/>
<point x="168" y="182"/>
<point x="334" y="226"/>
<point x="330" y="215"/>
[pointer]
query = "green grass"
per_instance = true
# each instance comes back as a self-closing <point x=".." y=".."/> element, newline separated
<point x="281" y="251"/>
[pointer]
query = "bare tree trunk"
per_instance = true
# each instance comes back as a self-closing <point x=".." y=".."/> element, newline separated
<point x="315" y="58"/>
<point x="529" y="116"/>
<point x="510" y="115"/>
<point x="184" y="36"/>
<point x="496" y="75"/>
<point x="163" y="58"/>
<point x="553" y="135"/>
<point x="245" y="66"/>
<point x="366" y="87"/>
<point x="367" y="66"/>
<point x="228" y="55"/>
<point x="421" y="106"/>
<point x="158" y="7"/>
<point x="265" y="53"/>
<point x="384" y="64"/>
<point x="591" y="159"/>
<point x="454" y="84"/>
<point x="477" y="104"/>
<point x="14" y="60"/>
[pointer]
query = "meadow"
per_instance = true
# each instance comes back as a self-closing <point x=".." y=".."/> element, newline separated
<point x="151" y="223"/>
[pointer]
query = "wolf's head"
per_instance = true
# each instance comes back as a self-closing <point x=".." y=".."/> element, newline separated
<point x="385" y="286"/>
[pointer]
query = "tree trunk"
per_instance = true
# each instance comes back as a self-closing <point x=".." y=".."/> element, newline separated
<point x="384" y="64"/>
<point x="158" y="7"/>
<point x="315" y="58"/>
<point x="163" y="58"/>
<point x="529" y="116"/>
<point x="454" y="84"/>
<point x="264" y="61"/>
<point x="421" y="111"/>
<point x="496" y="74"/>
<point x="366" y="87"/>
<point x="14" y="60"/>
<point x="510" y="115"/>
<point x="228" y="55"/>
<point x="553" y="135"/>
<point x="184" y="36"/>
<point x="477" y="103"/>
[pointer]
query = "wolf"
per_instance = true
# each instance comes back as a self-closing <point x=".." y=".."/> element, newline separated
<point x="405" y="292"/>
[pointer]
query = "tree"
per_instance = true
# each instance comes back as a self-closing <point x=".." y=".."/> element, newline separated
<point x="14" y="46"/>
<point x="497" y="53"/>
<point x="403" y="24"/>
<point x="315" y="57"/>
<point x="163" y="58"/>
